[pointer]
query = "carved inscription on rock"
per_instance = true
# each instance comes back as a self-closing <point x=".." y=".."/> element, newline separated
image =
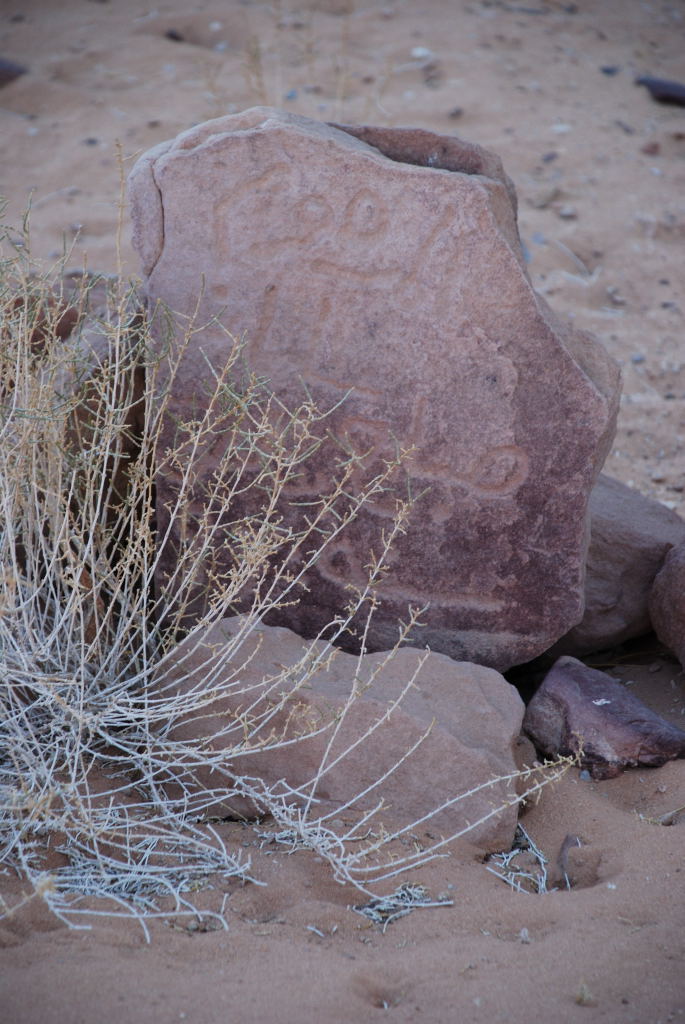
<point x="379" y="271"/>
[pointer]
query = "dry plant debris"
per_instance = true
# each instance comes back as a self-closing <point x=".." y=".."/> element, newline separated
<point x="383" y="910"/>
<point x="99" y="806"/>
<point x="529" y="876"/>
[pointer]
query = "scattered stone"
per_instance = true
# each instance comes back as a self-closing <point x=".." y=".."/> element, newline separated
<point x="455" y="113"/>
<point x="614" y="296"/>
<point x="432" y="73"/>
<point x="610" y="70"/>
<point x="476" y="713"/>
<point x="542" y="198"/>
<point x="667" y="602"/>
<point x="10" y="70"/>
<point x="567" y="212"/>
<point x="630" y="535"/>
<point x="663" y="90"/>
<point x="379" y="271"/>
<point x="578" y="708"/>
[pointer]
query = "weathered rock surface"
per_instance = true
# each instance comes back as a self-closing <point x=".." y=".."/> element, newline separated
<point x="630" y="535"/>
<point x="667" y="602"/>
<point x="380" y="271"/>
<point x="578" y="707"/>
<point x="476" y="716"/>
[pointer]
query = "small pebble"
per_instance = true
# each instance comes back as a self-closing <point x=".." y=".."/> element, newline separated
<point x="567" y="212"/>
<point x="456" y="113"/>
<point x="291" y="94"/>
<point x="610" y="70"/>
<point x="639" y="357"/>
<point x="9" y="70"/>
<point x="540" y="200"/>
<point x="585" y="776"/>
<point x="615" y="296"/>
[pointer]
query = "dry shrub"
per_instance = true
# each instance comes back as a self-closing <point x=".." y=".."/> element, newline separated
<point x="88" y="761"/>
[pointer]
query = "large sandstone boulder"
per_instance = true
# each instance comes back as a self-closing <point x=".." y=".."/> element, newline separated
<point x="630" y="535"/>
<point x="667" y="602"/>
<point x="471" y="713"/>
<point x="380" y="271"/>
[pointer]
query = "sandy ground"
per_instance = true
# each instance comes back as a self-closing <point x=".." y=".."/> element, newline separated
<point x="600" y="170"/>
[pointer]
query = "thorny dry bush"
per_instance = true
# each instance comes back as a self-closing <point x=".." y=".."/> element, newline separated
<point x="87" y="747"/>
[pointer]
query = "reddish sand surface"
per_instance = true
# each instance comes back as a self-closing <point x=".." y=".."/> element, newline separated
<point x="600" y="173"/>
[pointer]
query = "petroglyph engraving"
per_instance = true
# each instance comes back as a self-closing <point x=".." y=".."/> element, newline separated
<point x="499" y="471"/>
<point x="366" y="215"/>
<point x="454" y="599"/>
<point x="392" y="292"/>
<point x="343" y="565"/>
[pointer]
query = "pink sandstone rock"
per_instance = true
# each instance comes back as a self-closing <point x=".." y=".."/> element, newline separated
<point x="667" y="602"/>
<point x="577" y="707"/>
<point x="473" y="738"/>
<point x="630" y="535"/>
<point x="380" y="271"/>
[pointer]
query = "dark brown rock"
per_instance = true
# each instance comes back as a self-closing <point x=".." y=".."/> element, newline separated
<point x="380" y="271"/>
<point x="630" y="535"/>
<point x="667" y="602"/>
<point x="9" y="71"/>
<point x="578" y="708"/>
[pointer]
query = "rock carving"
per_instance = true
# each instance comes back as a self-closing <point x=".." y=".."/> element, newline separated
<point x="380" y="271"/>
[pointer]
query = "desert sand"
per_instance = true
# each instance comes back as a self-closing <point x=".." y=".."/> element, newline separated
<point x="599" y="168"/>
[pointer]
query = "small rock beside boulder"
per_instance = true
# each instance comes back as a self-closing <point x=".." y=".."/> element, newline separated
<point x="667" y="602"/>
<point x="472" y="715"/>
<point x="578" y="708"/>
<point x="630" y="535"/>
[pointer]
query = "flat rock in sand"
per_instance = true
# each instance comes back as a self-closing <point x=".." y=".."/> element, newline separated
<point x="471" y="713"/>
<point x="380" y="271"/>
<point x="577" y="707"/>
